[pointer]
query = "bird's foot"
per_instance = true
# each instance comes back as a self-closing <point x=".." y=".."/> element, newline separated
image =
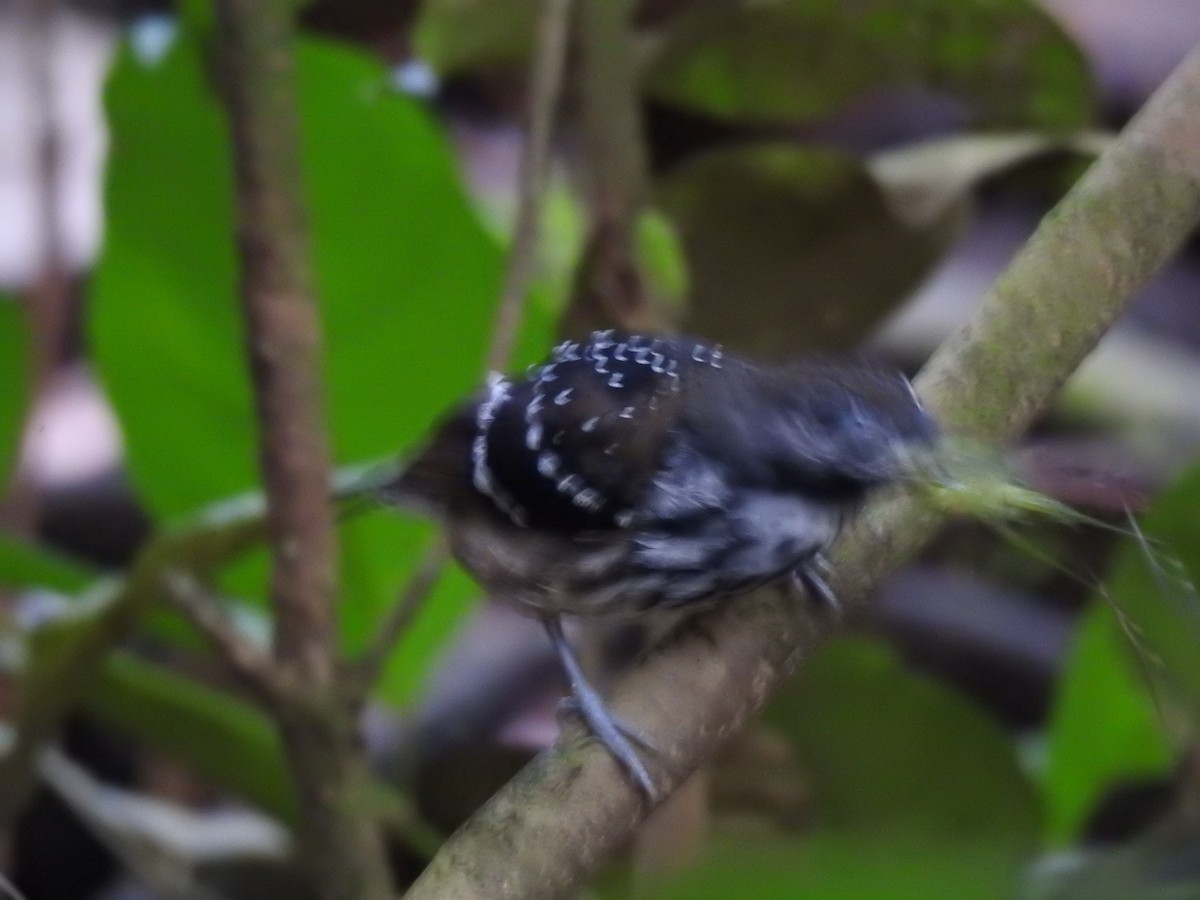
<point x="810" y="578"/>
<point x="617" y="737"/>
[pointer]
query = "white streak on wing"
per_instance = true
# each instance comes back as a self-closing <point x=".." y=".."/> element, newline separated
<point x="533" y="422"/>
<point x="481" y="475"/>
<point x="533" y="436"/>
<point x="588" y="498"/>
<point x="547" y="464"/>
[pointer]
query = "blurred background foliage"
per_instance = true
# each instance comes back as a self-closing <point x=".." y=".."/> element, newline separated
<point x="1002" y="725"/>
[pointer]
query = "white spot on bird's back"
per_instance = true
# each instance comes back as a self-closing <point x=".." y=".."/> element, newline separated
<point x="547" y="464"/>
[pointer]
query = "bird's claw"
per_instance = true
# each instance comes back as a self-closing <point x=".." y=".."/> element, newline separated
<point x="810" y="577"/>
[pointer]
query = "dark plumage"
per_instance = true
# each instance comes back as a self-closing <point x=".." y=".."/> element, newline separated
<point x="632" y="472"/>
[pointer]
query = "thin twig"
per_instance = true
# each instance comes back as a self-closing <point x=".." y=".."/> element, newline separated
<point x="609" y="288"/>
<point x="400" y="617"/>
<point x="283" y="334"/>
<point x="544" y="91"/>
<point x="249" y="662"/>
<point x="557" y="822"/>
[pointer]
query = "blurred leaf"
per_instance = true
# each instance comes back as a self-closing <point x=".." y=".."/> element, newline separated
<point x="64" y="655"/>
<point x="407" y="280"/>
<point x="1104" y="727"/>
<point x="396" y="248"/>
<point x="661" y="259"/>
<point x="16" y="383"/>
<point x="1155" y="584"/>
<point x="60" y="662"/>
<point x="24" y="565"/>
<point x="790" y="60"/>
<point x="832" y="865"/>
<point x="791" y="249"/>
<point x="887" y="749"/>
<point x="224" y="740"/>
<point x="924" y="181"/>
<point x="454" y="35"/>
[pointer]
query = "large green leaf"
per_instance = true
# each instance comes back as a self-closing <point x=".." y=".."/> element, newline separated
<point x="455" y="35"/>
<point x="794" y="60"/>
<point x="888" y="749"/>
<point x="1103" y="728"/>
<point x="406" y="274"/>
<point x="791" y="249"/>
<point x="847" y="865"/>
<point x="1127" y="673"/>
<point x="1155" y="583"/>
<point x="407" y="279"/>
<point x="915" y="793"/>
<point x="15" y="382"/>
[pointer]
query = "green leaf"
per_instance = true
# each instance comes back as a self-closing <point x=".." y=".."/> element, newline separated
<point x="456" y="35"/>
<point x="1154" y="582"/>
<point x="223" y="739"/>
<point x="836" y="865"/>
<point x="64" y="655"/>
<point x="16" y="382"/>
<point x="791" y="249"/>
<point x="791" y="60"/>
<point x="24" y="565"/>
<point x="407" y="282"/>
<point x="407" y="276"/>
<point x="1107" y="726"/>
<point x="1103" y="729"/>
<point x="891" y="750"/>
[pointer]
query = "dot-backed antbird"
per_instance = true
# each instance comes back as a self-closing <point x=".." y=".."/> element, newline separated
<point x="631" y="473"/>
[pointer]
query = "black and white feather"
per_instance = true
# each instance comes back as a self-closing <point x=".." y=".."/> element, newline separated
<point x="631" y="472"/>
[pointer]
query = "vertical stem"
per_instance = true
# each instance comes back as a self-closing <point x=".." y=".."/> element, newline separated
<point x="617" y="169"/>
<point x="283" y="333"/>
<point x="545" y="88"/>
<point x="609" y="288"/>
<point x="338" y="841"/>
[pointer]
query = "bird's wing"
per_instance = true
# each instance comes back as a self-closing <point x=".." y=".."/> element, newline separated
<point x="577" y="443"/>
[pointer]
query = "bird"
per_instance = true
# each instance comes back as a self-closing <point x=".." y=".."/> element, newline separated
<point x="633" y="473"/>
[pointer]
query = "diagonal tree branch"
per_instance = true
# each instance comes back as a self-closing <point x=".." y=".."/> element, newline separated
<point x="560" y="818"/>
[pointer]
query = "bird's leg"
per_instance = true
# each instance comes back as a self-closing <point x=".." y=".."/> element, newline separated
<point x="616" y="737"/>
<point x="810" y="576"/>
